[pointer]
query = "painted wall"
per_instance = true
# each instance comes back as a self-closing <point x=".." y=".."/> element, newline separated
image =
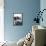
<point x="28" y="8"/>
<point x="43" y="6"/>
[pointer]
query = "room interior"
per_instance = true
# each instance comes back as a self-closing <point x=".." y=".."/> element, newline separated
<point x="17" y="25"/>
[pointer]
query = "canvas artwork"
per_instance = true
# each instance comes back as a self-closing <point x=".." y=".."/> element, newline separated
<point x="17" y="19"/>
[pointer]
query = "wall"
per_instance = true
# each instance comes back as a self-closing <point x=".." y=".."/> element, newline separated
<point x="28" y="8"/>
<point x="43" y="6"/>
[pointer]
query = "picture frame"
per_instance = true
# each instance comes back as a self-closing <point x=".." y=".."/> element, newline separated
<point x="18" y="19"/>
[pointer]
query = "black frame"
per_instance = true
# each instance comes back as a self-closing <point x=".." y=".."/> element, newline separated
<point x="15" y="23"/>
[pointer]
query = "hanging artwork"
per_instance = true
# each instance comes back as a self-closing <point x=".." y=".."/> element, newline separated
<point x="17" y="19"/>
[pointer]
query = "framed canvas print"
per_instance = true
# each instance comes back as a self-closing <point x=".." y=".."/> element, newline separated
<point x="17" y="19"/>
